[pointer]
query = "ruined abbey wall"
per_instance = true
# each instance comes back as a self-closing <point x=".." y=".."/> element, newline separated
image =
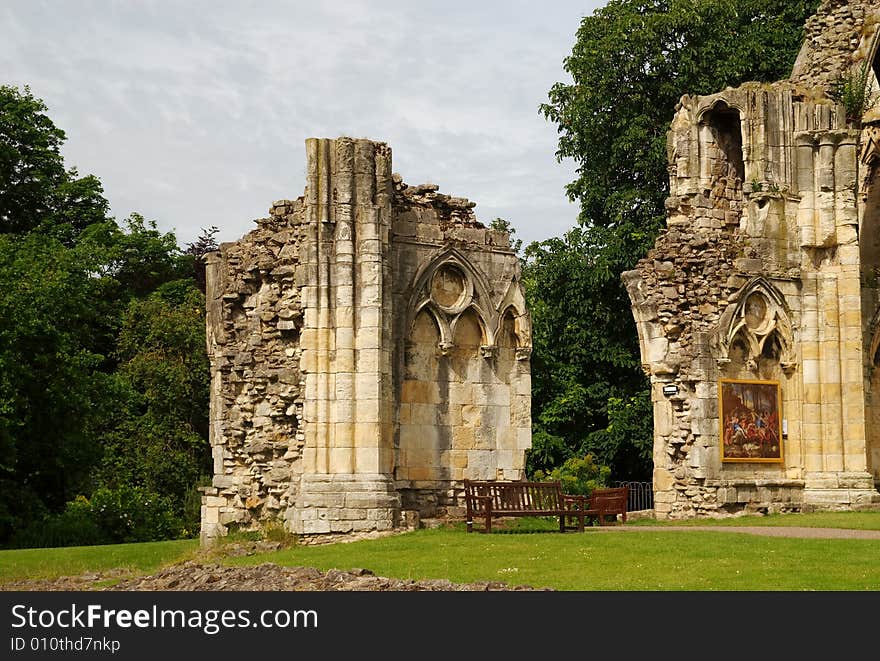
<point x="767" y="273"/>
<point x="832" y="38"/>
<point x="369" y="346"/>
<point x="465" y="387"/>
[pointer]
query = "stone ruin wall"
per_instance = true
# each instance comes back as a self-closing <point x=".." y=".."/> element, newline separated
<point x="832" y="38"/>
<point x="870" y="276"/>
<point x="763" y="215"/>
<point x="369" y="347"/>
<point x="254" y="320"/>
<point x="465" y="384"/>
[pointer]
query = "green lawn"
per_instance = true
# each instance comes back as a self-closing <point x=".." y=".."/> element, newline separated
<point x="78" y="560"/>
<point x="529" y="552"/>
<point x="643" y="560"/>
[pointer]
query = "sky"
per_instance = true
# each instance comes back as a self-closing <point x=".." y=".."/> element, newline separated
<point x="195" y="114"/>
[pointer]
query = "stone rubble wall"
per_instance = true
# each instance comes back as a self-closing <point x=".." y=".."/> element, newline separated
<point x="254" y="320"/>
<point x="832" y="40"/>
<point x="331" y="414"/>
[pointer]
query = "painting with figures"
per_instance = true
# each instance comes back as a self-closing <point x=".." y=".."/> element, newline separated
<point x="750" y="420"/>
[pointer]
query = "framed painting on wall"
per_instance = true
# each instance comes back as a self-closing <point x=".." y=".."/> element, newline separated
<point x="750" y="413"/>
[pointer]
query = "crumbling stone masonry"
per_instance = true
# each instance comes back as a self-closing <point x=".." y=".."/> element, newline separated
<point x="369" y="347"/>
<point x="769" y="270"/>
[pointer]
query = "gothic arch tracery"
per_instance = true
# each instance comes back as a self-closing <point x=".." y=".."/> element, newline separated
<point x="450" y="285"/>
<point x="757" y="319"/>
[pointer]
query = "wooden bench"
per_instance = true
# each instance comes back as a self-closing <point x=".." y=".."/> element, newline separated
<point x="609" y="502"/>
<point x="490" y="499"/>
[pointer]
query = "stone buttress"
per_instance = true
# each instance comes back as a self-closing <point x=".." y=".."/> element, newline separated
<point x="369" y="345"/>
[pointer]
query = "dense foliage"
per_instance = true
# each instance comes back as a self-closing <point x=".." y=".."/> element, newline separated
<point x="631" y="62"/>
<point x="577" y="475"/>
<point x="36" y="191"/>
<point x="103" y="373"/>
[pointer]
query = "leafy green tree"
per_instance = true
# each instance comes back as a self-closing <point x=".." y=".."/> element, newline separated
<point x="160" y="441"/>
<point x="134" y="259"/>
<point x="35" y="188"/>
<point x="196" y="251"/>
<point x="130" y="262"/>
<point x="50" y="388"/>
<point x="103" y="369"/>
<point x="581" y="358"/>
<point x="631" y="62"/>
<point x="627" y="442"/>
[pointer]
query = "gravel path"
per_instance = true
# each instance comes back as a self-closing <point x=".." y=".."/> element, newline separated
<point x="767" y="531"/>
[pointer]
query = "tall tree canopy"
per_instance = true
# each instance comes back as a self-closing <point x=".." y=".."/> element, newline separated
<point x="35" y="188"/>
<point x="631" y="62"/>
<point x="103" y="372"/>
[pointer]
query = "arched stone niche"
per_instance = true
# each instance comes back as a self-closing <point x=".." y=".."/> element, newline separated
<point x="450" y="285"/>
<point x="721" y="130"/>
<point x="755" y="337"/>
<point x="464" y="394"/>
<point x="755" y="342"/>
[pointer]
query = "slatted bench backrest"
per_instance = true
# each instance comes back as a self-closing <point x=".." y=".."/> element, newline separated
<point x="610" y="501"/>
<point x="535" y="497"/>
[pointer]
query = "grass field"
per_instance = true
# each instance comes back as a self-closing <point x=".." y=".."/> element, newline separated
<point x="77" y="560"/>
<point x="530" y="553"/>
<point x="646" y="560"/>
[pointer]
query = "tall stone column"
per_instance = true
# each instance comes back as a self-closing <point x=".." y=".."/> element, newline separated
<point x="835" y="469"/>
<point x="347" y="481"/>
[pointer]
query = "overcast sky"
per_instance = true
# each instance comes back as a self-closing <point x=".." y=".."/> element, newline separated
<point x="195" y="113"/>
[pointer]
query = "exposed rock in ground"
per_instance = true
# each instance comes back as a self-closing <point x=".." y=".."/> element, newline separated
<point x="194" y="576"/>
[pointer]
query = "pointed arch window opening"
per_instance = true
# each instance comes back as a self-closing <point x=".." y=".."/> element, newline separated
<point x="725" y="125"/>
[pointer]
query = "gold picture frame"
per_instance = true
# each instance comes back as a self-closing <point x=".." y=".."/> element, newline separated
<point x="750" y="413"/>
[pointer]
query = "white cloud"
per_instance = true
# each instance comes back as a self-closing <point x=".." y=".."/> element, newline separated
<point x="195" y="114"/>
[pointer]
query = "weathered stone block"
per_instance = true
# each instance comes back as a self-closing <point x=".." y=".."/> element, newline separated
<point x="315" y="526"/>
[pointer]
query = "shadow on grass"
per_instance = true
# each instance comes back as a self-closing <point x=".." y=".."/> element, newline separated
<point x="519" y="526"/>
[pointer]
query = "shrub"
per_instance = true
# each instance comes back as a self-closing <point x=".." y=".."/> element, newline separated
<point x="578" y="475"/>
<point x="853" y="91"/>
<point x="74" y="526"/>
<point x="111" y="516"/>
<point x="133" y="514"/>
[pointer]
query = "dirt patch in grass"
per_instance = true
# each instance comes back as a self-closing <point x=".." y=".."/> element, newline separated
<point x="193" y="576"/>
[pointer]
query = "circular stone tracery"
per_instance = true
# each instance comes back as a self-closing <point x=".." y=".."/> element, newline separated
<point x="449" y="288"/>
<point x="755" y="311"/>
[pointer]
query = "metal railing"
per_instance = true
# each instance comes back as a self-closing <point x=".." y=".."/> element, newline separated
<point x="641" y="495"/>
